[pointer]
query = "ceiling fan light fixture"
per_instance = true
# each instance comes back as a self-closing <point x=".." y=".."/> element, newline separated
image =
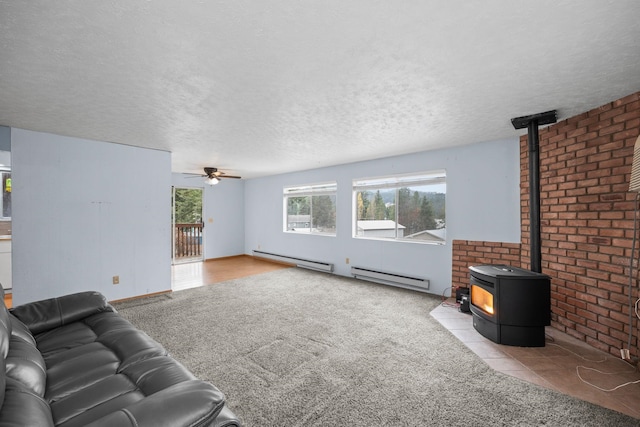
<point x="212" y="180"/>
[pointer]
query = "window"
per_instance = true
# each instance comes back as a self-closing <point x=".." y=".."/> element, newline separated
<point x="311" y="209"/>
<point x="409" y="208"/>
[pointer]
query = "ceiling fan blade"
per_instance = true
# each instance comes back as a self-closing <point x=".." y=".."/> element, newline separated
<point x="215" y="173"/>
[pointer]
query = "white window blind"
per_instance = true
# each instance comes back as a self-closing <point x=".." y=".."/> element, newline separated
<point x="396" y="181"/>
<point x="323" y="189"/>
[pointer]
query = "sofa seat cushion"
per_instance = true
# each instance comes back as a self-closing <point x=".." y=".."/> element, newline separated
<point x="188" y="403"/>
<point x="94" y="348"/>
<point x="95" y="401"/>
<point x="127" y="342"/>
<point x="121" y="390"/>
<point x="94" y="361"/>
<point x="64" y="338"/>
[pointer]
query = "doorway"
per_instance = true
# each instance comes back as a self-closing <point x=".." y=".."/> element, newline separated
<point x="188" y="227"/>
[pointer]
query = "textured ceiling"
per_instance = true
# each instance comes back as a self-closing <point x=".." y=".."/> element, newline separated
<point x="264" y="87"/>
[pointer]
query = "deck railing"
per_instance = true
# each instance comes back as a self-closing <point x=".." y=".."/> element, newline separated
<point x="188" y="240"/>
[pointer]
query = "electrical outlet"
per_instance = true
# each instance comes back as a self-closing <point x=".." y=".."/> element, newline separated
<point x="116" y="280"/>
<point x="346" y="260"/>
<point x="624" y="354"/>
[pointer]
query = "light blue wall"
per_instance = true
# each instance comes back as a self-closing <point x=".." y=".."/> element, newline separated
<point x="85" y="211"/>
<point x="483" y="203"/>
<point x="224" y="219"/>
<point x="223" y="214"/>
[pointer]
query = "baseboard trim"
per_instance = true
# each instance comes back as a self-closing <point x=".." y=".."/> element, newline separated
<point x="141" y="296"/>
<point x="248" y="256"/>
<point x="225" y="257"/>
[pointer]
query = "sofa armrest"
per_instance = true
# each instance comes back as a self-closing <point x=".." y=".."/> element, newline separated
<point x="40" y="316"/>
<point x="226" y="418"/>
<point x="189" y="403"/>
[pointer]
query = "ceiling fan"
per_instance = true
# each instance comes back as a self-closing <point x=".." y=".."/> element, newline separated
<point x="214" y="176"/>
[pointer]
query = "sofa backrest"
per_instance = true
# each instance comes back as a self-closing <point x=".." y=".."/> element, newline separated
<point x="5" y="326"/>
<point x="20" y="358"/>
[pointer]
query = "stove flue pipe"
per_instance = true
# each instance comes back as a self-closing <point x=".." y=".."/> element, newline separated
<point x="531" y="123"/>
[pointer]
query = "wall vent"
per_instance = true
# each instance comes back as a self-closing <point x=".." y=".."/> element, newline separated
<point x="299" y="262"/>
<point x="394" y="279"/>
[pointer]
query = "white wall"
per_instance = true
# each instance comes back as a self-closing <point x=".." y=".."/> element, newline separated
<point x="223" y="207"/>
<point x="85" y="211"/>
<point x="483" y="203"/>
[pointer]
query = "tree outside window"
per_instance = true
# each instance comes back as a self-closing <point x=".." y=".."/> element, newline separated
<point x="404" y="207"/>
<point x="311" y="209"/>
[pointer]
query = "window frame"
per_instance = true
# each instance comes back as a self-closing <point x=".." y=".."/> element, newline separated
<point x="5" y="170"/>
<point x="327" y="188"/>
<point x="396" y="182"/>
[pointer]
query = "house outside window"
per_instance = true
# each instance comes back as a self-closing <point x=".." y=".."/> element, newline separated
<point x="408" y="208"/>
<point x="311" y="209"/>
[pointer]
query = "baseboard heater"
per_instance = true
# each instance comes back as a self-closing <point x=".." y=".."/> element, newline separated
<point x="394" y="279"/>
<point x="299" y="262"/>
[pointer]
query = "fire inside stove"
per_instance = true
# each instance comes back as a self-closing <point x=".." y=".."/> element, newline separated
<point x="482" y="299"/>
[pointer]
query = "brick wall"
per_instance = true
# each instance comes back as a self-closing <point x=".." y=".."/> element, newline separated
<point x="586" y="224"/>
<point x="467" y="253"/>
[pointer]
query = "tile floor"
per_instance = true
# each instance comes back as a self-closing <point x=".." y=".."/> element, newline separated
<point x="559" y="365"/>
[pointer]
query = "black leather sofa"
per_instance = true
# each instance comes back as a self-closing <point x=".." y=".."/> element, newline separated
<point x="73" y="361"/>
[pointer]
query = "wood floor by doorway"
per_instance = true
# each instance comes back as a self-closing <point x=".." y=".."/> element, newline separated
<point x="185" y="276"/>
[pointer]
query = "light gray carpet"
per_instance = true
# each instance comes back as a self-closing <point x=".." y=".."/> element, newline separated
<point x="300" y="348"/>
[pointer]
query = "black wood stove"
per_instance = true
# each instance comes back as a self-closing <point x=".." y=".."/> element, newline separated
<point x="510" y="305"/>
